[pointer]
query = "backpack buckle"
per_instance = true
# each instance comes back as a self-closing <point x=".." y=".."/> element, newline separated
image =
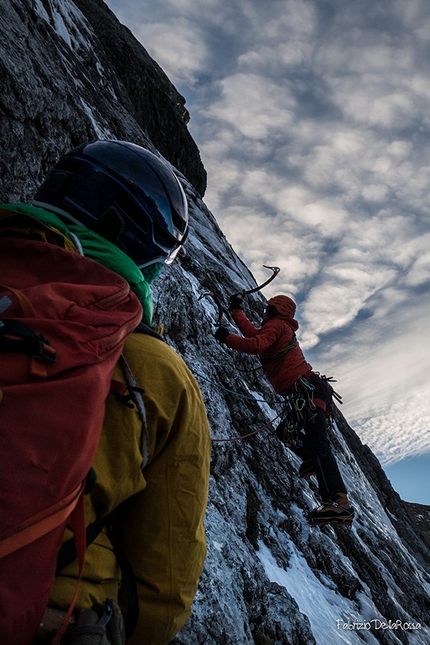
<point x="18" y="338"/>
<point x="44" y="350"/>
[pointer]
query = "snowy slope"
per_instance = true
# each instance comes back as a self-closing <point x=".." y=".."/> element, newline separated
<point x="269" y="578"/>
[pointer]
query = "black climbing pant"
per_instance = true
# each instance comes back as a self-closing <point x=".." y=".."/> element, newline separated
<point x="318" y="446"/>
<point x="319" y="451"/>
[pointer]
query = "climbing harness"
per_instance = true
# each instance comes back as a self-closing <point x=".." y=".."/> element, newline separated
<point x="299" y="408"/>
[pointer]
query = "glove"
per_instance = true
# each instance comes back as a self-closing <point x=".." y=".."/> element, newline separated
<point x="235" y="302"/>
<point x="221" y="334"/>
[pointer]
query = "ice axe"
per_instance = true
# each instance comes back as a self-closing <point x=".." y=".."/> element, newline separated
<point x="218" y="304"/>
<point x="241" y="294"/>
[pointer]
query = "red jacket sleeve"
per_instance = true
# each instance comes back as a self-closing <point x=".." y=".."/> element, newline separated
<point x="245" y="325"/>
<point x="257" y="341"/>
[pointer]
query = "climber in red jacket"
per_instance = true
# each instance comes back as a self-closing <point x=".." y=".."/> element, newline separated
<point x="284" y="364"/>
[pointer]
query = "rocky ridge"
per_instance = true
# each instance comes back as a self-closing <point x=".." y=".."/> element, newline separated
<point x="420" y="514"/>
<point x="65" y="81"/>
<point x="269" y="578"/>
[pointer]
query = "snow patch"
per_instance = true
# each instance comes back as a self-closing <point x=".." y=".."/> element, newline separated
<point x="66" y="19"/>
<point x="101" y="132"/>
<point x="327" y="610"/>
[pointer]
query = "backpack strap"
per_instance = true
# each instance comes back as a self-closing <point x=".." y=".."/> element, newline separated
<point x="41" y="524"/>
<point x="136" y="396"/>
<point x="136" y="393"/>
<point x="69" y="549"/>
<point x="73" y="506"/>
<point x="143" y="328"/>
<point x="69" y="552"/>
<point x="78" y="525"/>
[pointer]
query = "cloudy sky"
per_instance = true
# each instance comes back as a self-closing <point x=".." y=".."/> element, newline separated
<point x="313" y="121"/>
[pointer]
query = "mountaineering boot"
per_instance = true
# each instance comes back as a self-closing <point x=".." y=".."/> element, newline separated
<point x="306" y="469"/>
<point x="336" y="509"/>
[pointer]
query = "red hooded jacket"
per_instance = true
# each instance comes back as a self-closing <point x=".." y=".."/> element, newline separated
<point x="273" y="337"/>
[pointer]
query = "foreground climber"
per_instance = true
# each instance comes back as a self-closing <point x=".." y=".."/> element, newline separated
<point x="123" y="207"/>
<point x="284" y="366"/>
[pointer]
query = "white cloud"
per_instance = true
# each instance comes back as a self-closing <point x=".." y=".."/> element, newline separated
<point x="376" y="193"/>
<point x="313" y="123"/>
<point x="251" y="104"/>
<point x="399" y="429"/>
<point x="383" y="377"/>
<point x="339" y="295"/>
<point x="177" y="45"/>
<point x="395" y="426"/>
<point x="297" y="20"/>
<point x="368" y="103"/>
<point x="280" y="42"/>
<point x="419" y="273"/>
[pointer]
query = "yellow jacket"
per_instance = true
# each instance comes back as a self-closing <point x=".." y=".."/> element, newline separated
<point x="162" y="509"/>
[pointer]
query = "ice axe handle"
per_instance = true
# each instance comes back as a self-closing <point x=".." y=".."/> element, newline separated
<point x="242" y="294"/>
<point x="218" y="305"/>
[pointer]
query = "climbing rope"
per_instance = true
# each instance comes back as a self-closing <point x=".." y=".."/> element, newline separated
<point x="226" y="389"/>
<point x="275" y="357"/>
<point x="246" y="436"/>
<point x="242" y="396"/>
<point x="293" y="402"/>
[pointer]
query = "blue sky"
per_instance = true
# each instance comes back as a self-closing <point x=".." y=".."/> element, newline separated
<point x="313" y="121"/>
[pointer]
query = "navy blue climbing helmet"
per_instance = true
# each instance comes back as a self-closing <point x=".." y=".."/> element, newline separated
<point x="123" y="192"/>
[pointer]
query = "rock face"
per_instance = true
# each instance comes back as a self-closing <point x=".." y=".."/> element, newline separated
<point x="65" y="82"/>
<point x="421" y="516"/>
<point x="149" y="96"/>
<point x="269" y="578"/>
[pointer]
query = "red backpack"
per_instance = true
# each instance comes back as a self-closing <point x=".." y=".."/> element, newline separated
<point x="63" y="322"/>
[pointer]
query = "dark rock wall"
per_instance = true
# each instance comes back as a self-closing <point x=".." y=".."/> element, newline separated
<point x="63" y="84"/>
<point x="155" y="103"/>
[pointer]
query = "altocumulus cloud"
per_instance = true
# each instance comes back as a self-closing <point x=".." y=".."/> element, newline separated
<point x="313" y="122"/>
